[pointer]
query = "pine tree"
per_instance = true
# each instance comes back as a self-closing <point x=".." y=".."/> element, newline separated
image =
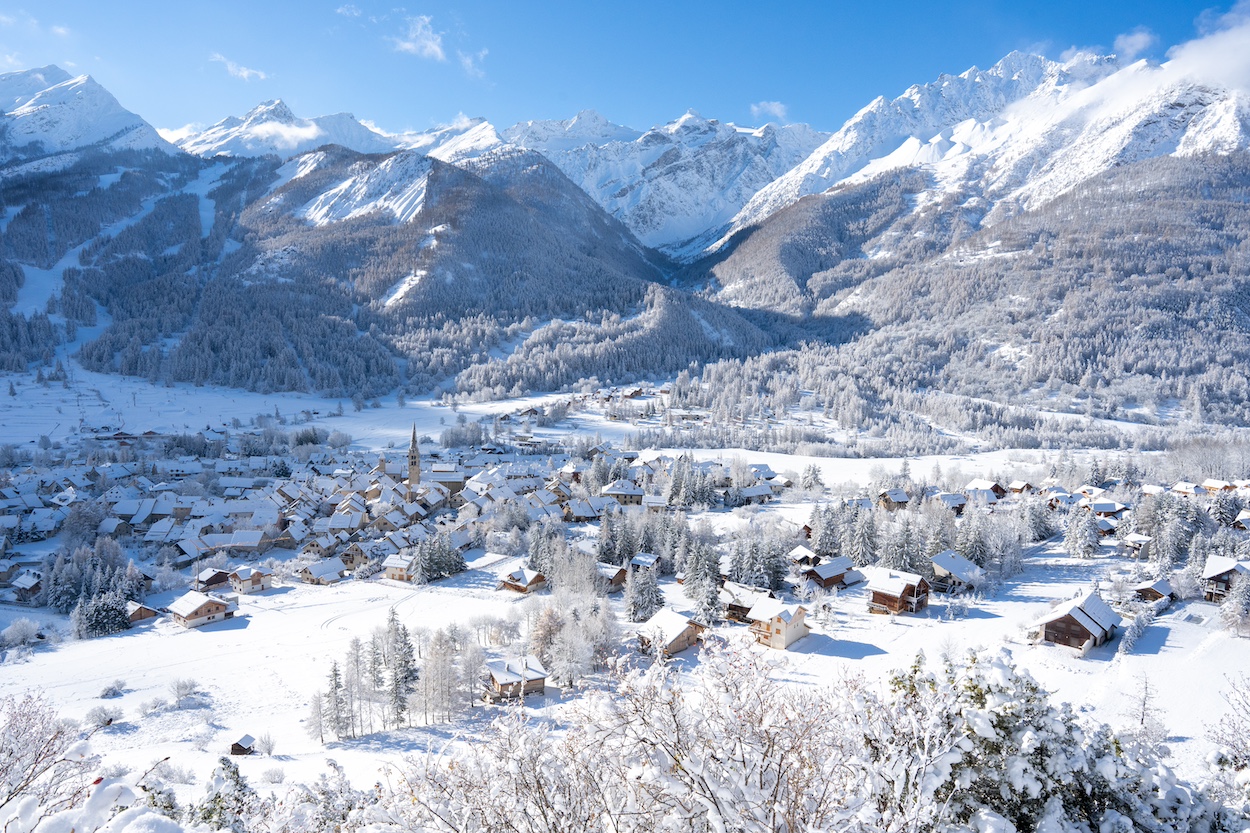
<point x="335" y="704"/>
<point x="1081" y="538"/>
<point x="863" y="549"/>
<point x="1235" y="609"/>
<point x="970" y="540"/>
<point x="642" y="595"/>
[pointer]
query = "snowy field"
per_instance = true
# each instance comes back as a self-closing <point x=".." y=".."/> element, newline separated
<point x="260" y="669"/>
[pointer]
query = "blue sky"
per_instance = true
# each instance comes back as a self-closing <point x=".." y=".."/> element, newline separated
<point x="639" y="63"/>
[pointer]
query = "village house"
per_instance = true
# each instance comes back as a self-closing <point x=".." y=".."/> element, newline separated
<point x="802" y="557"/>
<point x="738" y="600"/>
<point x="613" y="576"/>
<point x="668" y="633"/>
<point x="210" y="578"/>
<point x="776" y="624"/>
<point x="251" y="580"/>
<point x="139" y="612"/>
<point x="896" y="591"/>
<point x="624" y="492"/>
<point x="523" y="580"/>
<point x="1152" y="590"/>
<point x="401" y="566"/>
<point x="194" y="609"/>
<point x="830" y="574"/>
<point x="1083" y="622"/>
<point x="27" y="586"/>
<point x="329" y="571"/>
<point x="1218" y="574"/>
<point x="245" y="745"/>
<point x="952" y="573"/>
<point x="510" y="679"/>
<point x="892" y="499"/>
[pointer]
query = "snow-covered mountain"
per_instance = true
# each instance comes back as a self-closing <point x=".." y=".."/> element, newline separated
<point x="271" y="127"/>
<point x="674" y="182"/>
<point x="1022" y="133"/>
<point x="47" y="111"/>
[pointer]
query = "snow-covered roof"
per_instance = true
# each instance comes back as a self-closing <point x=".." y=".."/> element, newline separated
<point x="1159" y="585"/>
<point x="891" y="582"/>
<point x="801" y="552"/>
<point x="766" y="610"/>
<point x="508" y="671"/>
<point x="1218" y="565"/>
<point x="247" y="742"/>
<point x="523" y="576"/>
<point x="833" y="567"/>
<point x="644" y="559"/>
<point x="189" y="602"/>
<point x="326" y="569"/>
<point x="665" y="626"/>
<point x="1088" y="609"/>
<point x="954" y="564"/>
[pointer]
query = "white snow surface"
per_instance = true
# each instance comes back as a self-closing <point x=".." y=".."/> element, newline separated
<point x="48" y="112"/>
<point x="271" y="128"/>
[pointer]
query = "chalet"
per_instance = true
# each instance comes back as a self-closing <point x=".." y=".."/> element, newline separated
<point x="1021" y="487"/>
<point x="27" y="586"/>
<point x="952" y="573"/>
<point x="644" y="561"/>
<point x="1243" y="520"/>
<point x="329" y="571"/>
<point x="831" y="573"/>
<point x="1134" y="542"/>
<point x="668" y="633"/>
<point x="1153" y="590"/>
<point x="802" y="557"/>
<point x="1218" y="575"/>
<point x="951" y="500"/>
<point x="523" y="580"/>
<point x="402" y="566"/>
<point x="1213" y="486"/>
<point x="1083" y="622"/>
<point x="251" y="579"/>
<point x="590" y="509"/>
<point x="210" y="578"/>
<point x="776" y="624"/>
<point x="625" y="492"/>
<point x="138" y="612"/>
<point x="614" y="576"/>
<point x="510" y="679"/>
<point x="892" y="499"/>
<point x="981" y="485"/>
<point x="738" y="599"/>
<point x="756" y="493"/>
<point x="245" y="745"/>
<point x="194" y="609"/>
<point x="896" y="591"/>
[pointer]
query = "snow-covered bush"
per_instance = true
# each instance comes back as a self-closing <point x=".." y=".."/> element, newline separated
<point x="21" y="631"/>
<point x="102" y="716"/>
<point x="150" y="707"/>
<point x="114" y="689"/>
<point x="276" y="775"/>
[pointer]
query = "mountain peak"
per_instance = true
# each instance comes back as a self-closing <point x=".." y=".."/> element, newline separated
<point x="274" y="110"/>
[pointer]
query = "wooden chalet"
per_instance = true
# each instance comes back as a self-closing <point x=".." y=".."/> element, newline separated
<point x="669" y="632"/>
<point x="952" y="573"/>
<point x="1218" y="575"/>
<point x="614" y="576"/>
<point x="1152" y="590"/>
<point x="210" y="578"/>
<point x="831" y="573"/>
<point x="981" y="485"/>
<point x="510" y="679"/>
<point x="896" y="591"/>
<point x="194" y="609"/>
<point x="245" y="745"/>
<point x="1083" y="622"/>
<point x="738" y="600"/>
<point x="892" y="499"/>
<point x="802" y="557"/>
<point x="139" y="612"/>
<point x="523" y="580"/>
<point x="27" y="586"/>
<point x="776" y="624"/>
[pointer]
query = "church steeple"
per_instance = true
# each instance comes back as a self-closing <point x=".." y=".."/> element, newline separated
<point x="414" y="461"/>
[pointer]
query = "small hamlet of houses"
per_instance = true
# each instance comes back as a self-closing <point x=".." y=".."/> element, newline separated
<point x="226" y="527"/>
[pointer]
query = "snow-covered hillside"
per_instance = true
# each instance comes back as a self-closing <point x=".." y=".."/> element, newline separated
<point x="673" y="182"/>
<point x="46" y="111"/>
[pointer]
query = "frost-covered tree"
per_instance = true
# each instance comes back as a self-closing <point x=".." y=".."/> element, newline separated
<point x="1080" y="538"/>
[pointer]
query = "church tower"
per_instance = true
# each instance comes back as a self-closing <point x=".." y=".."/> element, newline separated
<point x="414" y="462"/>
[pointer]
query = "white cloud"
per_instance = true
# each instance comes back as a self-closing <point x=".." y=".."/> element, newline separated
<point x="173" y="135"/>
<point x="1222" y="57"/>
<point x="421" y="40"/>
<point x="1131" y="44"/>
<point x="472" y="64"/>
<point x="60" y="31"/>
<point x="774" y="110"/>
<point x="6" y="20"/>
<point x="237" y="70"/>
<point x="348" y="10"/>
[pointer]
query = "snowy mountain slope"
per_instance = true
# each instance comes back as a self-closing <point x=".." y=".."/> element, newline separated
<point x="271" y="127"/>
<point x="66" y="114"/>
<point x="672" y="182"/>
